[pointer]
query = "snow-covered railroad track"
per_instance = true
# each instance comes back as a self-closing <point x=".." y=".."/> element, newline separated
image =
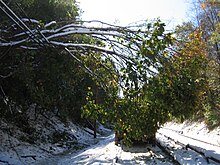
<point x="186" y="153"/>
<point x="106" y="152"/>
<point x="144" y="154"/>
<point x="168" y="153"/>
<point x="181" y="134"/>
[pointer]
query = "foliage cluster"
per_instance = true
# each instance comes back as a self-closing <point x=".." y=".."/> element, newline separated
<point x="207" y="45"/>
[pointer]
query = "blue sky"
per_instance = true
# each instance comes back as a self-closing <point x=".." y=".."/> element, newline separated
<point x="123" y="12"/>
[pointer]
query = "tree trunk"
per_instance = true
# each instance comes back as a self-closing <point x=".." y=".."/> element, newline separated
<point x="94" y="126"/>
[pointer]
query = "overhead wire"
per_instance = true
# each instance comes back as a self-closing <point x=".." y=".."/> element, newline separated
<point x="68" y="51"/>
<point x="19" y="22"/>
<point x="36" y="38"/>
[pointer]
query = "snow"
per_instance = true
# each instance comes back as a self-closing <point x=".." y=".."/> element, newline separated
<point x="93" y="154"/>
<point x="12" y="43"/>
<point x="26" y="147"/>
<point x="102" y="150"/>
<point x="70" y="31"/>
<point x="182" y="155"/>
<point x="49" y="24"/>
<point x="195" y="131"/>
<point x="106" y="152"/>
<point x="5" y="159"/>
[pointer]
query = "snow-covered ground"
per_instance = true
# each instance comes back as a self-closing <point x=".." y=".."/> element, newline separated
<point x="106" y="152"/>
<point x="103" y="150"/>
<point x="41" y="136"/>
<point x="197" y="130"/>
<point x="187" y="133"/>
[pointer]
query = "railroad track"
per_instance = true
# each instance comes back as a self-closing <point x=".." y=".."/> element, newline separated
<point x="181" y="134"/>
<point x="143" y="153"/>
<point x="170" y="150"/>
<point x="168" y="153"/>
<point x="175" y="151"/>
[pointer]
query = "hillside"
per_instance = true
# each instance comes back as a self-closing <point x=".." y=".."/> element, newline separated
<point x="41" y="137"/>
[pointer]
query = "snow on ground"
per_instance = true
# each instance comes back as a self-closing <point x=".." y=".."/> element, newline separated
<point x="14" y="151"/>
<point x="106" y="152"/>
<point x="39" y="137"/>
<point x="182" y="132"/>
<point x="197" y="130"/>
<point x="102" y="150"/>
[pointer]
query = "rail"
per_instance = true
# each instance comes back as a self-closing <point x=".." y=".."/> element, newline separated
<point x="188" y="146"/>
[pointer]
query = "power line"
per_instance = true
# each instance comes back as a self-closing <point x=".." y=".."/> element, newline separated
<point x="19" y="22"/>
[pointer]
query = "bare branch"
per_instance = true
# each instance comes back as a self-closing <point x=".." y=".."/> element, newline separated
<point x="13" y="43"/>
<point x="3" y="77"/>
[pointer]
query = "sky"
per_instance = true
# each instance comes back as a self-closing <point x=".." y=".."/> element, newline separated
<point x="124" y="12"/>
